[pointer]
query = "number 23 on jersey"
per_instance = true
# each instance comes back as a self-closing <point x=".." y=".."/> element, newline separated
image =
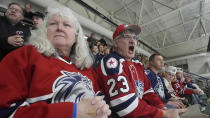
<point x="113" y="90"/>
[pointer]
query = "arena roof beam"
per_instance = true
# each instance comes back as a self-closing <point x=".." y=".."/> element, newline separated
<point x="172" y="12"/>
<point x="122" y="8"/>
<point x="126" y="11"/>
<point x="182" y="19"/>
<point x="163" y="4"/>
<point x="96" y="12"/>
<point x="194" y="27"/>
<point x="141" y="10"/>
<point x="164" y="39"/>
<point x="203" y="26"/>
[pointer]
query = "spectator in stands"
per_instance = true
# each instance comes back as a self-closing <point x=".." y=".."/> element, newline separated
<point x="139" y="57"/>
<point x="13" y="33"/>
<point x="27" y="11"/>
<point x="95" y="50"/>
<point x="51" y="77"/>
<point x="98" y="43"/>
<point x="145" y="62"/>
<point x="190" y="84"/>
<point x="124" y="82"/>
<point x="103" y="41"/>
<point x="156" y="63"/>
<point x="100" y="55"/>
<point x="101" y="50"/>
<point x="37" y="19"/>
<point x="179" y="74"/>
<point x="91" y="40"/>
<point x="196" y="98"/>
<point x="169" y="77"/>
<point x="179" y="86"/>
<point x="106" y="51"/>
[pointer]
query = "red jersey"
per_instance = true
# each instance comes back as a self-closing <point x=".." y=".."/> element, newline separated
<point x="179" y="88"/>
<point x="127" y="88"/>
<point x="35" y="86"/>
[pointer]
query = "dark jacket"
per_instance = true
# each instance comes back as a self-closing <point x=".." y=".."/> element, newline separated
<point x="158" y="85"/>
<point x="7" y="30"/>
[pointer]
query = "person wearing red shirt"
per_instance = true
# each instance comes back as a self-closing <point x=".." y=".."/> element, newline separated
<point x="124" y="82"/>
<point x="52" y="77"/>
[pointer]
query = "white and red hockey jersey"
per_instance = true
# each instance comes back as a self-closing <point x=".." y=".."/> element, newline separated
<point x="180" y="89"/>
<point x="127" y="88"/>
<point x="35" y="86"/>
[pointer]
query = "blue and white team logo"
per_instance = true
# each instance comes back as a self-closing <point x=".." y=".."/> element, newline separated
<point x="159" y="88"/>
<point x="71" y="87"/>
<point x="111" y="63"/>
<point x="139" y="88"/>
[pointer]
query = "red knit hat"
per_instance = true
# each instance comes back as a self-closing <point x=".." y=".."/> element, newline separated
<point x="123" y="27"/>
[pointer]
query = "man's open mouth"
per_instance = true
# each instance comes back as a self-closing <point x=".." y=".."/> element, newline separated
<point x="131" y="48"/>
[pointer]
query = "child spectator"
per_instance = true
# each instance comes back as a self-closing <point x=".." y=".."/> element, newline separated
<point x="38" y="18"/>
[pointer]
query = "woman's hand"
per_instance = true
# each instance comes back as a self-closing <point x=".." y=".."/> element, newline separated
<point x="93" y="108"/>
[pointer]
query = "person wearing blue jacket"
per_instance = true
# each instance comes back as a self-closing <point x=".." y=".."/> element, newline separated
<point x="156" y="63"/>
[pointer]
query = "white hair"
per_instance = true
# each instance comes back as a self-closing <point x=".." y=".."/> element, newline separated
<point x="80" y="53"/>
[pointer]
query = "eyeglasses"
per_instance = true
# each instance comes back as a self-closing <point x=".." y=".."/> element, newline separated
<point x="127" y="37"/>
<point x="14" y="9"/>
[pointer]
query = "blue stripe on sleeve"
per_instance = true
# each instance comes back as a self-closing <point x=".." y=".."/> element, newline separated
<point x="74" y="110"/>
<point x="123" y="105"/>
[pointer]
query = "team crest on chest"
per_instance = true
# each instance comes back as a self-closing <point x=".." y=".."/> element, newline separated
<point x="139" y="88"/>
<point x="159" y="88"/>
<point x="71" y="87"/>
<point x="111" y="63"/>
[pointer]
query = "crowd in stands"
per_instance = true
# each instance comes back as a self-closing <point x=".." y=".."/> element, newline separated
<point x="99" y="48"/>
<point x="14" y="32"/>
<point x="50" y="70"/>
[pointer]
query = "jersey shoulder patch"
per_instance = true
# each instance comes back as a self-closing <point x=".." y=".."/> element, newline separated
<point x="147" y="72"/>
<point x="112" y="64"/>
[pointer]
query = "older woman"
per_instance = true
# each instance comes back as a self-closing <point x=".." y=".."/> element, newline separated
<point x="51" y="77"/>
<point x="170" y="76"/>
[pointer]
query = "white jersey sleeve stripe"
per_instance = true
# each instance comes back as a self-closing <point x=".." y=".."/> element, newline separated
<point x="30" y="101"/>
<point x="124" y="105"/>
<point x="149" y="91"/>
<point x="23" y="104"/>
<point x="121" y="66"/>
<point x="129" y="109"/>
<point x="121" y="99"/>
<point x="102" y="67"/>
<point x="40" y="98"/>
